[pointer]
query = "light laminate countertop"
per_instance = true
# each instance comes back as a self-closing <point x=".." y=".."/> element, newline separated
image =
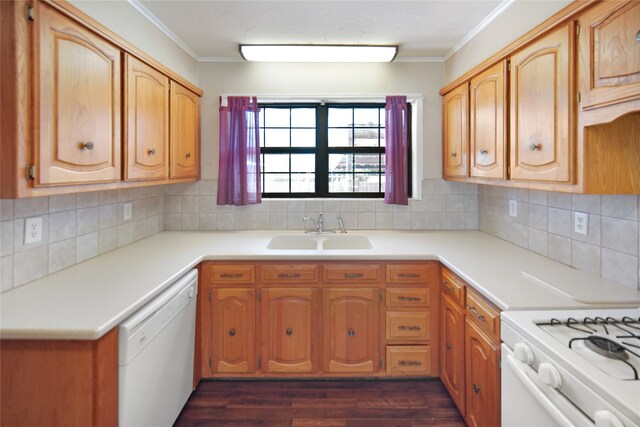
<point x="89" y="299"/>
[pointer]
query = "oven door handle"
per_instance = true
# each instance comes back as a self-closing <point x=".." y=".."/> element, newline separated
<point x="542" y="398"/>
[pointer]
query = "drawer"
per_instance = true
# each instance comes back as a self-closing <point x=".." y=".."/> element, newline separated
<point x="353" y="273"/>
<point x="411" y="273"/>
<point x="483" y="312"/>
<point x="408" y="297"/>
<point x="453" y="286"/>
<point x="290" y="273"/>
<point x="408" y="325"/>
<point x="414" y="359"/>
<point x="229" y="274"/>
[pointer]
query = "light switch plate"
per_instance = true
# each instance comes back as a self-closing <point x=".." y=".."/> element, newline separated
<point x="513" y="208"/>
<point x="581" y="223"/>
<point x="32" y="230"/>
<point x="128" y="211"/>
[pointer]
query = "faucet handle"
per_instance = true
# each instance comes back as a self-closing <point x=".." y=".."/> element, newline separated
<point x="343" y="230"/>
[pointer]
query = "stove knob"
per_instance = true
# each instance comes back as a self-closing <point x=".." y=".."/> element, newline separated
<point x="549" y="375"/>
<point x="523" y="353"/>
<point x="605" y="418"/>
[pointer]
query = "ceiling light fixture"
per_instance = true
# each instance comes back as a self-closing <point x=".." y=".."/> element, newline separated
<point x="317" y="53"/>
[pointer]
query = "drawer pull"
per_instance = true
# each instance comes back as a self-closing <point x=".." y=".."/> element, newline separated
<point x="87" y="145"/>
<point x="453" y="154"/>
<point x="232" y="332"/>
<point x="476" y="388"/>
<point x="353" y="275"/>
<point x="533" y="146"/>
<point x="448" y="286"/>
<point x="484" y="151"/>
<point x="289" y="332"/>
<point x="188" y="155"/>
<point x="409" y="363"/>
<point x="231" y="275"/>
<point x="403" y="298"/>
<point x="475" y="312"/>
<point x="449" y="346"/>
<point x="408" y="275"/>
<point x="409" y="328"/>
<point x="151" y="151"/>
<point x="351" y="332"/>
<point x="289" y="275"/>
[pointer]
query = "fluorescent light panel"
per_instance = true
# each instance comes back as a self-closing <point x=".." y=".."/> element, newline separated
<point x="317" y="53"/>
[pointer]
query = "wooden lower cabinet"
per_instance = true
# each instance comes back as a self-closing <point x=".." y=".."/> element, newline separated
<point x="350" y="338"/>
<point x="290" y="323"/>
<point x="452" y="351"/>
<point x="482" y="377"/>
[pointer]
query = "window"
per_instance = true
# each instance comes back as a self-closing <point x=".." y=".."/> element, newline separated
<point x="331" y="150"/>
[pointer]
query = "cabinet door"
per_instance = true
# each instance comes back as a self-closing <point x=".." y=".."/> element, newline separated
<point x="610" y="53"/>
<point x="232" y="317"/>
<point x="185" y="132"/>
<point x="77" y="103"/>
<point x="542" y="114"/>
<point x="350" y="330"/>
<point x="146" y="121"/>
<point x="482" y="378"/>
<point x="452" y="351"/>
<point x="290" y="323"/>
<point x="488" y="123"/>
<point x="455" y="132"/>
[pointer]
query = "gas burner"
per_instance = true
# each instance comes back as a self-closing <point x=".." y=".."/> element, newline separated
<point x="606" y="347"/>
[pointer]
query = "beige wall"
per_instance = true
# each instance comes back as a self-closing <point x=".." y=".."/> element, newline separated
<point x="317" y="79"/>
<point x="520" y="17"/>
<point x="123" y="19"/>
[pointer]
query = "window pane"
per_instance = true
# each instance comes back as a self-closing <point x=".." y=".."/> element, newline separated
<point x="365" y="117"/>
<point x="303" y="137"/>
<point x="340" y="138"/>
<point x="276" y="117"/>
<point x="367" y="163"/>
<point x="276" y="163"/>
<point x="340" y="117"/>
<point x="366" y="183"/>
<point x="303" y="163"/>
<point x="276" y="137"/>
<point x="365" y="137"/>
<point x="340" y="162"/>
<point x="303" y="117"/>
<point x="382" y="117"/>
<point x="276" y="183"/>
<point x="340" y="183"/>
<point x="303" y="183"/>
<point x="261" y="117"/>
<point x="382" y="138"/>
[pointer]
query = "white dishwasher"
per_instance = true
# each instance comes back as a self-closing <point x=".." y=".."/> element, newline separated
<point x="156" y="346"/>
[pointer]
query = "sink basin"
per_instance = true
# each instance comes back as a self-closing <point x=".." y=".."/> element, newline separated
<point x="320" y="242"/>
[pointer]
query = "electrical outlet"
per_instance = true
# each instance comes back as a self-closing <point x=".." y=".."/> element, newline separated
<point x="32" y="230"/>
<point x="128" y="211"/>
<point x="513" y="208"/>
<point x="581" y="223"/>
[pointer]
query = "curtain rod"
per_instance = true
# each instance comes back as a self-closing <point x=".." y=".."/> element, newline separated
<point x="323" y="98"/>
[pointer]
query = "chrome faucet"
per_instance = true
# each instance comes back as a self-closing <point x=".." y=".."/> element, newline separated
<point x="319" y="225"/>
<point x="343" y="230"/>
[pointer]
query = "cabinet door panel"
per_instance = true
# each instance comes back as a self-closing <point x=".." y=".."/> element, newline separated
<point x="350" y="330"/>
<point x="482" y="378"/>
<point x="185" y="132"/>
<point x="147" y="121"/>
<point x="455" y="132"/>
<point x="233" y="330"/>
<point x="290" y="327"/>
<point x="452" y="351"/>
<point x="488" y="123"/>
<point x="77" y="103"/>
<point x="541" y="111"/>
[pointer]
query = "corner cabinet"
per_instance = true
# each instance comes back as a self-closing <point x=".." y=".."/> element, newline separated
<point x="455" y="131"/>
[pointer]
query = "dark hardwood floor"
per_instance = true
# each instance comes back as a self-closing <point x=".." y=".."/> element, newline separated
<point x="388" y="403"/>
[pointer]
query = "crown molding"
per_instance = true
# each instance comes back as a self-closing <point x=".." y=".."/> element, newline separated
<point x="419" y="59"/>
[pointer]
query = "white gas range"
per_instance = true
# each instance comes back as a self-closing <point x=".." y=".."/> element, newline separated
<point x="571" y="367"/>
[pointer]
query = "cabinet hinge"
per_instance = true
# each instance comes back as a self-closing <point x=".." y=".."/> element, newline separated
<point x="31" y="172"/>
<point x="259" y="295"/>
<point x="500" y="363"/>
<point x="30" y="13"/>
<point x="209" y="295"/>
<point x="579" y="97"/>
<point x="508" y="65"/>
<point x="577" y="30"/>
<point x="509" y="169"/>
<point x="210" y="367"/>
<point x="259" y="362"/>
<point x="380" y="363"/>
<point x="380" y="293"/>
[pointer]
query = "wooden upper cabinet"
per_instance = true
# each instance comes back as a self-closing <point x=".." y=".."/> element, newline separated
<point x="146" y="121"/>
<point x="290" y="322"/>
<point x="77" y="103"/>
<point x="610" y="53"/>
<point x="185" y="132"/>
<point x="350" y="330"/>
<point x="488" y="120"/>
<point x="542" y="111"/>
<point x="452" y="351"/>
<point x="455" y="132"/>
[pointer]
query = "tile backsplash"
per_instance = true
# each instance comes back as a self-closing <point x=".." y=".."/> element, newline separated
<point x="75" y="227"/>
<point x="545" y="224"/>
<point x="444" y="206"/>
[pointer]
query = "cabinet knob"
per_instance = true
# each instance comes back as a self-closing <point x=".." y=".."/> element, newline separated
<point x="289" y="331"/>
<point x="151" y="151"/>
<point x="353" y="275"/>
<point x="351" y="332"/>
<point x="534" y="146"/>
<point x="232" y="332"/>
<point x="88" y="145"/>
<point x="453" y="154"/>
<point x="476" y="388"/>
<point x="484" y="151"/>
<point x="638" y="36"/>
<point x="188" y="155"/>
<point x="449" y="346"/>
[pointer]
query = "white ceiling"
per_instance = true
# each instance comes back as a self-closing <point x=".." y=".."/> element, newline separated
<point x="424" y="29"/>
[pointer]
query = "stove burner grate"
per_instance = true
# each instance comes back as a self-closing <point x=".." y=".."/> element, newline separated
<point x="606" y="347"/>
